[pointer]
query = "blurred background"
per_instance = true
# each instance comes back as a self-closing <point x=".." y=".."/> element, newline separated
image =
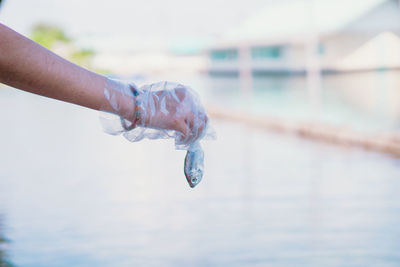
<point x="304" y="96"/>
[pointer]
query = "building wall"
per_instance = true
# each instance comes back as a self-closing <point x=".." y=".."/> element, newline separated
<point x="334" y="46"/>
<point x="290" y="58"/>
<point x="385" y="17"/>
<point x="340" y="45"/>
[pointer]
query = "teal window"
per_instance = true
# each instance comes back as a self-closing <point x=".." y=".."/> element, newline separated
<point x="321" y="49"/>
<point x="224" y="54"/>
<point x="265" y="52"/>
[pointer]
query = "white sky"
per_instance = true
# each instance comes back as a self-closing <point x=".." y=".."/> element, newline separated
<point x="161" y="20"/>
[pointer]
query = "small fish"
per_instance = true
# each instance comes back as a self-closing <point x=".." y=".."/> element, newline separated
<point x="194" y="165"/>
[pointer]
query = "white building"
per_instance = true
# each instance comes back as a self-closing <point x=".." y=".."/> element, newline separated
<point x="298" y="36"/>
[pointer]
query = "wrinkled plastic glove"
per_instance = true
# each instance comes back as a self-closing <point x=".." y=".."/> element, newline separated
<point x="162" y="110"/>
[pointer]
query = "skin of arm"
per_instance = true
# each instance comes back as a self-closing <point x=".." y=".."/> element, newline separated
<point x="28" y="66"/>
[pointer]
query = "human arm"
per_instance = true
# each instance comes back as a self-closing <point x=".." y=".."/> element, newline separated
<point x="28" y="66"/>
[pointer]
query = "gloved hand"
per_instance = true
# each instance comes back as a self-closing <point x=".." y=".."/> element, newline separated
<point x="173" y="108"/>
<point x="161" y="110"/>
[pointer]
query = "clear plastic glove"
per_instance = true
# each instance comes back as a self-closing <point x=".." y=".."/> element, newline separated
<point x="174" y="110"/>
<point x="161" y="110"/>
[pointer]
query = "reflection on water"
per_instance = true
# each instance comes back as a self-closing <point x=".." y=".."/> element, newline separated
<point x="74" y="196"/>
<point x="366" y="101"/>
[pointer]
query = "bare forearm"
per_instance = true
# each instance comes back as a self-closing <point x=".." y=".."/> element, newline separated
<point x="28" y="66"/>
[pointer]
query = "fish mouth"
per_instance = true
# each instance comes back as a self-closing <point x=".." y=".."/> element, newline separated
<point x="193" y="178"/>
<point x="193" y="181"/>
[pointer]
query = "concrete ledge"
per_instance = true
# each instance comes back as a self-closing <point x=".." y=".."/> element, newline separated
<point x="388" y="143"/>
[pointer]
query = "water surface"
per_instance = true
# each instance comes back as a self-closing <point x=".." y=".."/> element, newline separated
<point x="71" y="195"/>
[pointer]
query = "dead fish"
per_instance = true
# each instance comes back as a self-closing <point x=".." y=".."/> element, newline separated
<point x="194" y="165"/>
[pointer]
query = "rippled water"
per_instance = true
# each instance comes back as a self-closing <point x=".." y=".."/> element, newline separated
<point x="73" y="196"/>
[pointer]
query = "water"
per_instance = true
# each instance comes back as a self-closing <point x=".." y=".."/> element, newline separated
<point x="368" y="101"/>
<point x="73" y="196"/>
